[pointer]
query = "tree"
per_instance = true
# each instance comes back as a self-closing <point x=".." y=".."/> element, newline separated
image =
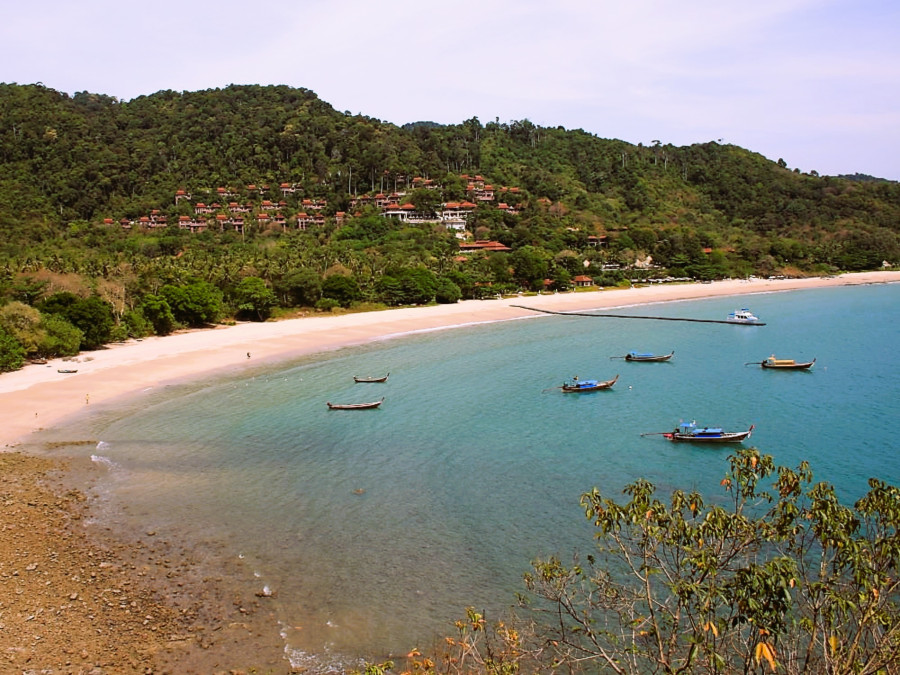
<point x="61" y="338"/>
<point x="531" y="265"/>
<point x="58" y="303"/>
<point x="418" y="285"/>
<point x="159" y="313"/>
<point x="196" y="304"/>
<point x="253" y="297"/>
<point x="446" y="292"/>
<point x="789" y="580"/>
<point x="300" y="288"/>
<point x="12" y="354"/>
<point x="388" y="290"/>
<point x="23" y="322"/>
<point x="341" y="288"/>
<point x="92" y="316"/>
<point x="28" y="289"/>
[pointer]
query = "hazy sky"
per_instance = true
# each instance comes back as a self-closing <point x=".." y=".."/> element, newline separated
<point x="815" y="82"/>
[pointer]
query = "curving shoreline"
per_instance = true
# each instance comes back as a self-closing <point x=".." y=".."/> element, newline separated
<point x="38" y="397"/>
<point x="194" y="625"/>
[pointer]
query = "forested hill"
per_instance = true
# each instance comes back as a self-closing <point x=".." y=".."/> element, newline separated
<point x="90" y="156"/>
<point x="265" y="187"/>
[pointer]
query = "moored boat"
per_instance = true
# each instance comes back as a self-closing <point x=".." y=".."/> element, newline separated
<point x="689" y="431"/>
<point x="383" y="378"/>
<point x="355" y="406"/>
<point x="576" y="385"/>
<point x="745" y="316"/>
<point x="66" y="370"/>
<point x="639" y="356"/>
<point x="786" y="364"/>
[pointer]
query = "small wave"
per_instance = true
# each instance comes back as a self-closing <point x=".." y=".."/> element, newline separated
<point x="320" y="664"/>
<point x="105" y="461"/>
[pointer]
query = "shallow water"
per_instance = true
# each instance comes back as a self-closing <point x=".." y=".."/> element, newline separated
<point x="376" y="528"/>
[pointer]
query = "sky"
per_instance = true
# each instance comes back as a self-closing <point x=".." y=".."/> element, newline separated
<point x="813" y="82"/>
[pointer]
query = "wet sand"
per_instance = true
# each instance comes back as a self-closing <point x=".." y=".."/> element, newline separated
<point x="78" y="600"/>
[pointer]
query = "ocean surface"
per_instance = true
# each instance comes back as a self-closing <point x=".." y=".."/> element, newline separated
<point x="375" y="529"/>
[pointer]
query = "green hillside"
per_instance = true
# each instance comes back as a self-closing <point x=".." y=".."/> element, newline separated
<point x="268" y="197"/>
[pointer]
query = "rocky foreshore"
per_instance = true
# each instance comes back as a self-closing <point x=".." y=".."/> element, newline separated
<point x="75" y="602"/>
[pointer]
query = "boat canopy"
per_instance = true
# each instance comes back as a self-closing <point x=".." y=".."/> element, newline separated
<point x="690" y="428"/>
<point x="641" y="354"/>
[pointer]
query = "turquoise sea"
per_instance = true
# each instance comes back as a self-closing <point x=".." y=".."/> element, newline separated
<point x="376" y="528"/>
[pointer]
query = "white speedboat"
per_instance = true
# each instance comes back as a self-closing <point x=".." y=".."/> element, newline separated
<point x="743" y="315"/>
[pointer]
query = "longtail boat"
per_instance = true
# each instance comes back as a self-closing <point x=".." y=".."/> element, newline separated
<point x="355" y="406"/>
<point x="690" y="432"/>
<point x="576" y="385"/>
<point x="371" y="379"/>
<point x="66" y="370"/>
<point x="784" y="364"/>
<point x="645" y="357"/>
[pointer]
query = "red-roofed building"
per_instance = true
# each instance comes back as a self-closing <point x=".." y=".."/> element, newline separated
<point x="192" y="224"/>
<point x="469" y="247"/>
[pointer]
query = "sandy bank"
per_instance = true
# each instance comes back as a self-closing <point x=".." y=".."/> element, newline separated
<point x="38" y="396"/>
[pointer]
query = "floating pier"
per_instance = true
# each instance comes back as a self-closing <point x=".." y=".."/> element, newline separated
<point x="649" y="318"/>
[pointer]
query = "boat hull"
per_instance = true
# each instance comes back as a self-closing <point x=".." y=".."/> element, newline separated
<point x="354" y="406"/>
<point x="638" y="358"/>
<point x="371" y="379"/>
<point x="570" y="389"/>
<point x="735" y="437"/>
<point x="787" y="366"/>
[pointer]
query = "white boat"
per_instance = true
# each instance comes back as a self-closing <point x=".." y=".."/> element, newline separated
<point x="743" y="315"/>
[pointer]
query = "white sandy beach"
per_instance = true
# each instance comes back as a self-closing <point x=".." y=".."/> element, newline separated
<point x="39" y="397"/>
